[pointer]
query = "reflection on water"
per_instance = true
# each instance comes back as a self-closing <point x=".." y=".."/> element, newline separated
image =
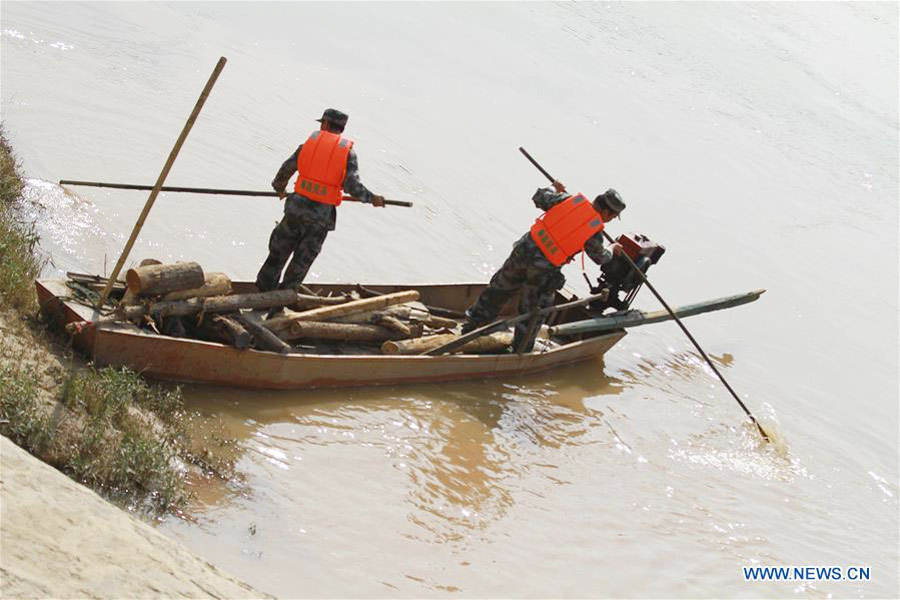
<point x="70" y="233"/>
<point x="459" y="444"/>
<point x="458" y="463"/>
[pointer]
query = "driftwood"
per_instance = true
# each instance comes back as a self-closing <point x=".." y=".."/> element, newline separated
<point x="305" y="301"/>
<point x="420" y="312"/>
<point x="438" y="322"/>
<point x="214" y="284"/>
<point x="151" y="280"/>
<point x="220" y="328"/>
<point x="392" y="323"/>
<point x="355" y="306"/>
<point x="349" y="332"/>
<point x="130" y="298"/>
<point x="435" y="310"/>
<point x="216" y="304"/>
<point x="485" y="344"/>
<point x="402" y="312"/>
<point x="263" y="338"/>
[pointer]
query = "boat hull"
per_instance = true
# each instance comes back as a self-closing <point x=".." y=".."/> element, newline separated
<point x="188" y="360"/>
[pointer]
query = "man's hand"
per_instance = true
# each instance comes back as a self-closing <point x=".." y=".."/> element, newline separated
<point x="616" y="249"/>
<point x="559" y="187"/>
<point x="377" y="200"/>
<point x="278" y="190"/>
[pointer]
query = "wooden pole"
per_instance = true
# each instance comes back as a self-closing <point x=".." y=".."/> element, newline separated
<point x="484" y="344"/>
<point x="263" y="338"/>
<point x="197" y="190"/>
<point x="635" y="317"/>
<point x="214" y="304"/>
<point x="355" y="306"/>
<point x="161" y="179"/>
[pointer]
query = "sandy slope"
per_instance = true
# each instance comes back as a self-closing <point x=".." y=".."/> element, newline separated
<point x="59" y="539"/>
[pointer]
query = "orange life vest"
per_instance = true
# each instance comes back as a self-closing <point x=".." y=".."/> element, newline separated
<point x="322" y="166"/>
<point x="562" y="231"/>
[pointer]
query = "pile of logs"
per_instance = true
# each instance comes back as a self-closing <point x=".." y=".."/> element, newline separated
<point x="181" y="300"/>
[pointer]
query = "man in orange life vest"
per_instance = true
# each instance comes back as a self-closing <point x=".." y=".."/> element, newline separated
<point x="570" y="225"/>
<point x="327" y="167"/>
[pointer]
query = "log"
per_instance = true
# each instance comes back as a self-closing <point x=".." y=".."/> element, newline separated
<point x="415" y="312"/>
<point x="392" y="323"/>
<point x="305" y="301"/>
<point x="372" y="317"/>
<point x="222" y="329"/>
<point x="420" y="312"/>
<point x="404" y="312"/>
<point x="349" y="332"/>
<point x="152" y="280"/>
<point x="436" y="310"/>
<point x="216" y="304"/>
<point x="214" y="284"/>
<point x="438" y="322"/>
<point x="355" y="306"/>
<point x="485" y="344"/>
<point x="262" y="337"/>
<point x="240" y="337"/>
<point x="129" y="298"/>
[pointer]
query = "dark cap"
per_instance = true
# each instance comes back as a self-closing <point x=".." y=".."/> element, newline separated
<point x="334" y="116"/>
<point x="610" y="199"/>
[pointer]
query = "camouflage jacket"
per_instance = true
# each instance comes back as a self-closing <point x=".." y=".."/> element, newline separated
<point x="318" y="211"/>
<point x="547" y="198"/>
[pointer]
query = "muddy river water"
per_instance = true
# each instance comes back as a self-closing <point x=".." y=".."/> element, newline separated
<point x="758" y="142"/>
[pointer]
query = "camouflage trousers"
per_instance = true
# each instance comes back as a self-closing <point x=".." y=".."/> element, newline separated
<point x="526" y="271"/>
<point x="299" y="234"/>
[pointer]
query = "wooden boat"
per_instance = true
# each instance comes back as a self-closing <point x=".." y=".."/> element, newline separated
<point x="579" y="336"/>
<point x="109" y="342"/>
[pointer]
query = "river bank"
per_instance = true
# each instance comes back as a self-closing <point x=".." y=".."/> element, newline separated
<point x="62" y="540"/>
<point x="105" y="428"/>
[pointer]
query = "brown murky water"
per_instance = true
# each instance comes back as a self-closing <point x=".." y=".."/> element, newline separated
<point x="758" y="142"/>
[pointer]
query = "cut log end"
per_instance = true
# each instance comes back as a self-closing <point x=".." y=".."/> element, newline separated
<point x="150" y="280"/>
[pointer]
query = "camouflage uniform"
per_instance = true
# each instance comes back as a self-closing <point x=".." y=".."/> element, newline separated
<point x="303" y="228"/>
<point x="528" y="270"/>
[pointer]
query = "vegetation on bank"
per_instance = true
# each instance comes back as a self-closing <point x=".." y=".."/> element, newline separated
<point x="19" y="262"/>
<point x="106" y="428"/>
<point x="103" y="434"/>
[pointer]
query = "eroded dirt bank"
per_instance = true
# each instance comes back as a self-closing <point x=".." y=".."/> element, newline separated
<point x="59" y="539"/>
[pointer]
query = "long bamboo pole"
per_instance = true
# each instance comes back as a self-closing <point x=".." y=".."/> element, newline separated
<point x="160" y="180"/>
<point x="198" y="190"/>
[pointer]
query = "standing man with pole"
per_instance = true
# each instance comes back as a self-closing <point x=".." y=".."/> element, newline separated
<point x="326" y="165"/>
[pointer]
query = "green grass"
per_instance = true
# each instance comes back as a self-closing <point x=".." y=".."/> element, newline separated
<point x="19" y="261"/>
<point x="106" y="428"/>
<point x="111" y="431"/>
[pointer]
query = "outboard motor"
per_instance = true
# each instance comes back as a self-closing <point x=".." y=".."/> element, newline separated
<point x="619" y="278"/>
